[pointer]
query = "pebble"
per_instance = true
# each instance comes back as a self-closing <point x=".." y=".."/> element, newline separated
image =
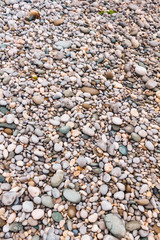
<point x="47" y="201"/>
<point x="34" y="191"/>
<point x="37" y="214"/>
<point x="57" y="216"/>
<point x="133" y="225"/>
<point x="149" y="145"/>
<point x="106" y="206"/>
<point x="8" y="198"/>
<point x="38" y="99"/>
<point x="57" y="147"/>
<point x="58" y="21"/>
<point x="88" y="131"/>
<point x="117" y="121"/>
<point x="28" y="206"/>
<point x="72" y="195"/>
<point x="92" y="91"/>
<point x="150" y="84"/>
<point x="63" y="44"/>
<point x="93" y="218"/>
<point x="141" y="71"/>
<point x="71" y="211"/>
<point x="57" y="179"/>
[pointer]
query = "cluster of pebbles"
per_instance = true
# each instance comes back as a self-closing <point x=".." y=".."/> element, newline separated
<point x="79" y="120"/>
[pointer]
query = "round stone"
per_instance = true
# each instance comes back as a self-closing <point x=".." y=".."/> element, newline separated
<point x="47" y="201"/>
<point x="28" y="206"/>
<point x="150" y="84"/>
<point x="149" y="145"/>
<point x="119" y="195"/>
<point x="106" y="206"/>
<point x="8" y="198"/>
<point x="104" y="189"/>
<point x="83" y="213"/>
<point x="57" y="216"/>
<point x="38" y="99"/>
<point x="123" y="150"/>
<point x="117" y="121"/>
<point x="34" y="191"/>
<point x="93" y="218"/>
<point x="81" y="161"/>
<point x="141" y="71"/>
<point x="72" y="195"/>
<point x="135" y="137"/>
<point x="88" y="131"/>
<point x="65" y="118"/>
<point x="57" y="179"/>
<point x="37" y="214"/>
<point x="71" y="211"/>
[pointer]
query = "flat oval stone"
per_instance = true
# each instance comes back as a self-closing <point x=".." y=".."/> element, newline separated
<point x="38" y="99"/>
<point x="37" y="214"/>
<point x="133" y="225"/>
<point x="72" y="195"/>
<point x="57" y="179"/>
<point x="64" y="130"/>
<point x="92" y="91"/>
<point x="88" y="131"/>
<point x="64" y="44"/>
<point x="142" y="201"/>
<point x="71" y="211"/>
<point x="135" y="137"/>
<point x="149" y="145"/>
<point x="141" y="71"/>
<point x="115" y="225"/>
<point x="58" y="22"/>
<point x="57" y="216"/>
<point x="47" y="201"/>
<point x="117" y="121"/>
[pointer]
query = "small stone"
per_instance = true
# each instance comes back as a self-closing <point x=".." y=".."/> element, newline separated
<point x="57" y="216"/>
<point x="28" y="206"/>
<point x="133" y="225"/>
<point x="115" y="225"/>
<point x="142" y="133"/>
<point x="2" y="179"/>
<point x="65" y="118"/>
<point x="134" y="112"/>
<point x="123" y="150"/>
<point x="83" y="214"/>
<point x="8" y="198"/>
<point x="142" y="201"/>
<point x="34" y="191"/>
<point x="117" y="121"/>
<point x="156" y="228"/>
<point x="38" y="99"/>
<point x="92" y="91"/>
<point x="135" y="137"/>
<point x="58" y="22"/>
<point x="2" y="222"/>
<point x="23" y="139"/>
<point x="81" y="161"/>
<point x="47" y="201"/>
<point x="109" y="75"/>
<point x="88" y="131"/>
<point x="57" y="55"/>
<point x="129" y="128"/>
<point x="72" y="195"/>
<point x="106" y="206"/>
<point x="141" y="71"/>
<point x="64" y="130"/>
<point x="102" y="145"/>
<point x="119" y="195"/>
<point x="84" y="30"/>
<point x="151" y="84"/>
<point x="103" y="189"/>
<point x="37" y="214"/>
<point x="8" y="131"/>
<point x="57" y="147"/>
<point x="57" y="179"/>
<point x="64" y="44"/>
<point x="71" y="211"/>
<point x="93" y="218"/>
<point x="149" y="145"/>
<point x="16" y="227"/>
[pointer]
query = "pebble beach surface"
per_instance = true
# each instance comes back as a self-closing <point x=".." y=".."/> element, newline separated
<point x="80" y="120"/>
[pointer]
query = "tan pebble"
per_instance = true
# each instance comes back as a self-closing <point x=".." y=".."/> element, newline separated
<point x="70" y="124"/>
<point x="11" y="218"/>
<point x="71" y="211"/>
<point x="109" y="75"/>
<point x="156" y="228"/>
<point x="75" y="133"/>
<point x="134" y="112"/>
<point x="2" y="222"/>
<point x="92" y="91"/>
<point x="143" y="202"/>
<point x="8" y="131"/>
<point x="58" y="22"/>
<point x="108" y="167"/>
<point x="86" y="105"/>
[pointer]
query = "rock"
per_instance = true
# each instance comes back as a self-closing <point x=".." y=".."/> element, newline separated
<point x="57" y="216"/>
<point x="156" y="228"/>
<point x="150" y="84"/>
<point x="2" y="222"/>
<point x="28" y="206"/>
<point x="109" y="75"/>
<point x="119" y="195"/>
<point x="129" y="128"/>
<point x="2" y="179"/>
<point x="90" y="90"/>
<point x="103" y="189"/>
<point x="23" y="139"/>
<point x="135" y="137"/>
<point x="115" y="225"/>
<point x="84" y="30"/>
<point x="6" y="125"/>
<point x="111" y="150"/>
<point x="57" y="179"/>
<point x="1" y="138"/>
<point x="141" y="71"/>
<point x="71" y="211"/>
<point x="134" y="112"/>
<point x="8" y="198"/>
<point x="117" y="121"/>
<point x="65" y="118"/>
<point x="83" y="213"/>
<point x="37" y="214"/>
<point x="142" y="133"/>
<point x="36" y="237"/>
<point x="133" y="225"/>
<point x="16" y="227"/>
<point x="102" y="145"/>
<point x="93" y="218"/>
<point x="81" y="161"/>
<point x="34" y="191"/>
<point x="57" y="147"/>
<point x="64" y="130"/>
<point x="123" y="150"/>
<point x="58" y="22"/>
<point x="106" y="206"/>
<point x="38" y="99"/>
<point x="72" y="195"/>
<point x="142" y="201"/>
<point x="47" y="201"/>
<point x="57" y="55"/>
<point x="88" y="131"/>
<point x="149" y="145"/>
<point x="63" y="44"/>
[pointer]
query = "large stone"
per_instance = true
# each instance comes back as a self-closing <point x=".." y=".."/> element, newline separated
<point x="58" y="21"/>
<point x="141" y="71"/>
<point x="115" y="225"/>
<point x="47" y="201"/>
<point x="8" y="198"/>
<point x="133" y="225"/>
<point x="151" y="84"/>
<point x="57" y="179"/>
<point x="38" y="99"/>
<point x="72" y="195"/>
<point x="90" y="90"/>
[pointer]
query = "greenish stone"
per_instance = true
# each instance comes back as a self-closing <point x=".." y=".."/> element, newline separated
<point x="1" y="179"/>
<point x="123" y="150"/>
<point x="115" y="127"/>
<point x="47" y="201"/>
<point x="6" y="125"/>
<point x="36" y="227"/>
<point x="57" y="216"/>
<point x="36" y="237"/>
<point x="53" y="159"/>
<point x="3" y="110"/>
<point x="100" y="60"/>
<point x="145" y="238"/>
<point x="16" y="227"/>
<point x="85" y="137"/>
<point x="68" y="54"/>
<point x="15" y="133"/>
<point x="135" y="137"/>
<point x="97" y="170"/>
<point x="47" y="51"/>
<point x="71" y="195"/>
<point x="64" y="130"/>
<point x="3" y="45"/>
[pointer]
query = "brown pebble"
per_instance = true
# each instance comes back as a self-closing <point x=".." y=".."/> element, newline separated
<point x="8" y="131"/>
<point x="71" y="211"/>
<point x="86" y="105"/>
<point x="128" y="189"/>
<point x="156" y="228"/>
<point x="109" y="75"/>
<point x="58" y="22"/>
<point x="2" y="222"/>
<point x="92" y="91"/>
<point x="143" y="202"/>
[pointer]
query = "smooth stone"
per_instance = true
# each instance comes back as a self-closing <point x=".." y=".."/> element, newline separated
<point x="57" y="147"/>
<point x="83" y="213"/>
<point x="117" y="121"/>
<point x="88" y="131"/>
<point x="150" y="84"/>
<point x="156" y="228"/>
<point x="6" y="125"/>
<point x="65" y="118"/>
<point x="115" y="225"/>
<point x="2" y="179"/>
<point x="34" y="191"/>
<point x="129" y="128"/>
<point x="123" y="150"/>
<point x="92" y="91"/>
<point x="71" y="211"/>
<point x="141" y="71"/>
<point x="119" y="195"/>
<point x="102" y="145"/>
<point x="81" y="161"/>
<point x="64" y="44"/>
<point x="57" y="216"/>
<point x="36" y="237"/>
<point x="103" y="189"/>
<point x="111" y="150"/>
<point x="37" y="214"/>
<point x="2" y="222"/>
<point x="106" y="206"/>
<point x="8" y="198"/>
<point x="4" y="110"/>
<point x="109" y="75"/>
<point x="133" y="225"/>
<point x="57" y="178"/>
<point x="142" y="133"/>
<point x="149" y="145"/>
<point x="64" y="130"/>
<point x="47" y="201"/>
<point x="58" y="22"/>
<point x="38" y="99"/>
<point x="16" y="227"/>
<point x="109" y="237"/>
<point x="72" y="195"/>
<point x="23" y="139"/>
<point x="1" y="138"/>
<point x="84" y="30"/>
<point x="93" y="218"/>
<point x="58" y="55"/>
<point x="28" y="206"/>
<point x="142" y="201"/>
<point x="135" y="137"/>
